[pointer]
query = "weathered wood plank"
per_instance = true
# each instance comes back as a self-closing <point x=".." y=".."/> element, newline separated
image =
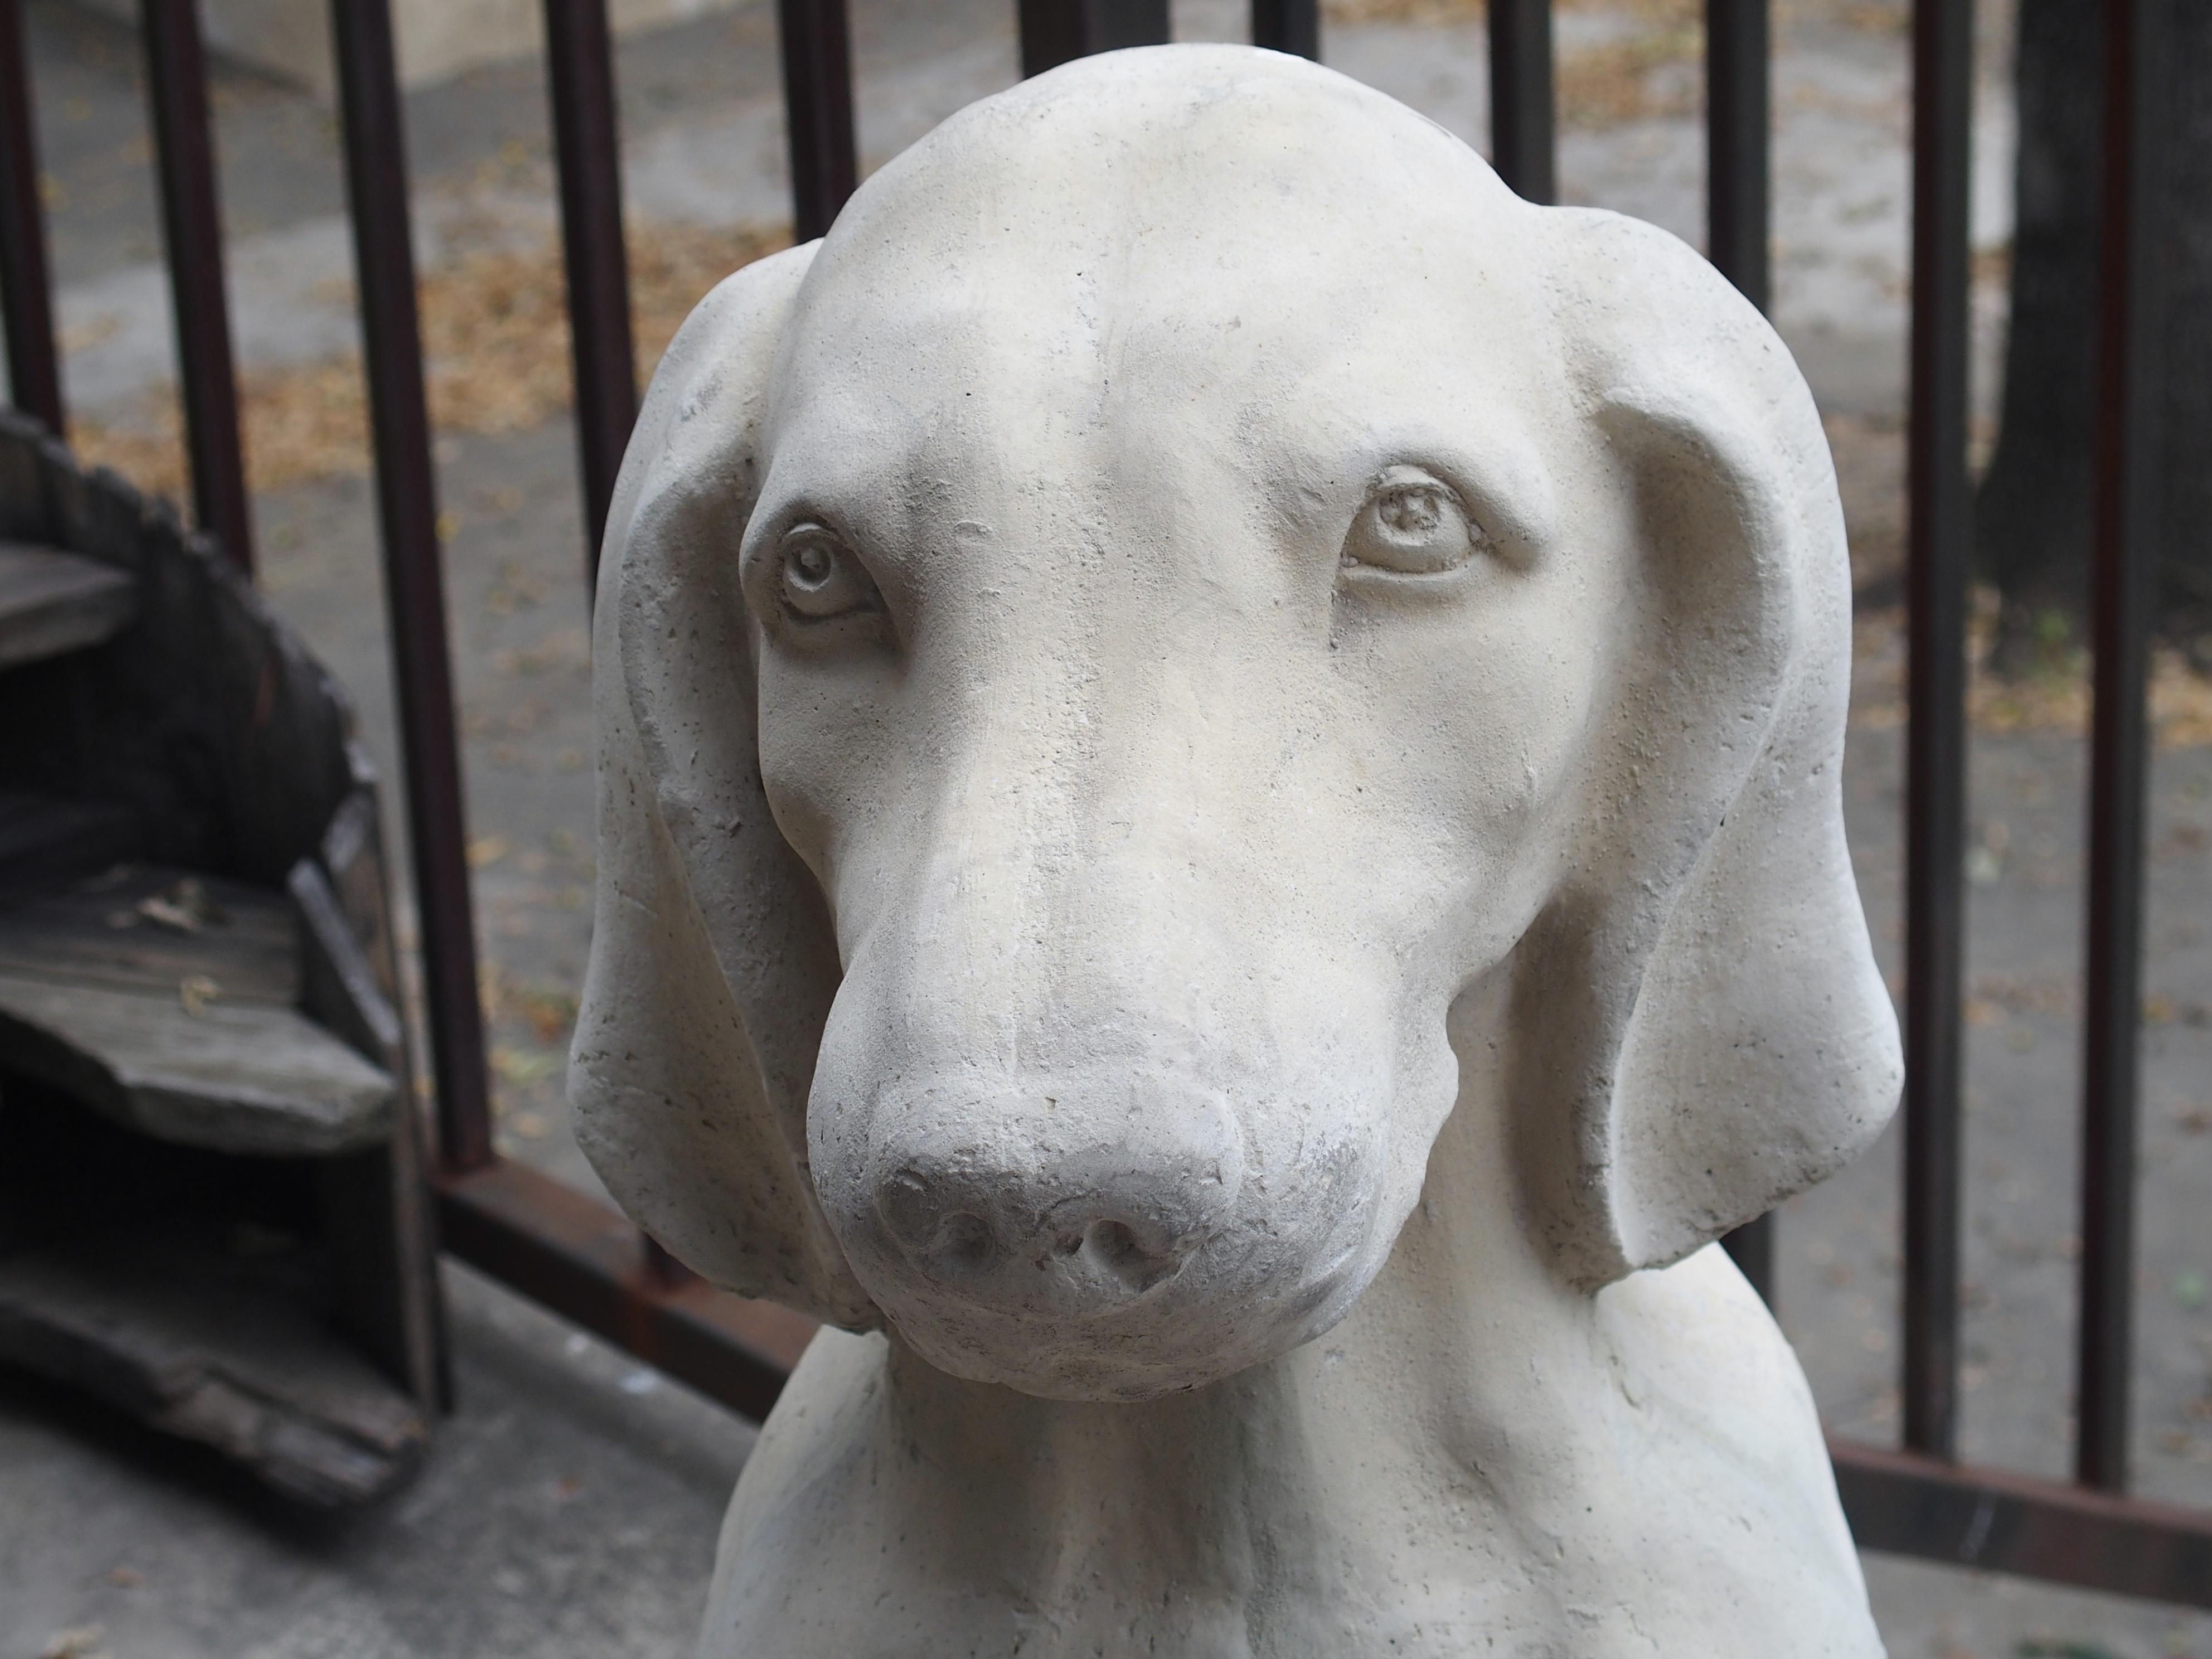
<point x="233" y="1077"/>
<point x="375" y="1206"/>
<point x="227" y="1344"/>
<point x="53" y="603"/>
<point x="150" y="927"/>
<point x="46" y="843"/>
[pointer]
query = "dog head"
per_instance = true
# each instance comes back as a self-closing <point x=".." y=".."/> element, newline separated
<point x="1189" y="578"/>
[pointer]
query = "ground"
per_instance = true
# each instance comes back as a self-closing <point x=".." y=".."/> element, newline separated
<point x="571" y="1506"/>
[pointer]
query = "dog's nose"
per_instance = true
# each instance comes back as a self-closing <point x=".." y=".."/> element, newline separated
<point x="1072" y="1206"/>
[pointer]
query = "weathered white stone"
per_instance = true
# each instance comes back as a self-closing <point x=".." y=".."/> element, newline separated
<point x="1221" y="834"/>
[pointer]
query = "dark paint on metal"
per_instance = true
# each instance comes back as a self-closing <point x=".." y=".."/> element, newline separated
<point x="818" y="103"/>
<point x="1523" y="139"/>
<point x="583" y="1259"/>
<point x="27" y="297"/>
<point x="1911" y="1504"/>
<point x="192" y="226"/>
<point x="1737" y="187"/>
<point x="1056" y="32"/>
<point x="1939" y="541"/>
<point x="2123" y="561"/>
<point x="578" y="1257"/>
<point x="407" y="510"/>
<point x="586" y="140"/>
<point x="1291" y="26"/>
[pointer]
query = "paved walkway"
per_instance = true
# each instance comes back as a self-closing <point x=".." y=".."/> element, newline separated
<point x="573" y="1502"/>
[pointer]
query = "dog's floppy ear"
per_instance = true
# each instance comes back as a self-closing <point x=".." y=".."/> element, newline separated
<point x="713" y="961"/>
<point x="1711" y="1034"/>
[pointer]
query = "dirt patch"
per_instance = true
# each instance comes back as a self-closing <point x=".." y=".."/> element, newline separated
<point x="495" y="338"/>
<point x="2055" y="699"/>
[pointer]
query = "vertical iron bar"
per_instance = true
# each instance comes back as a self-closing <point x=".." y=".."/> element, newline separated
<point x="1936" y="747"/>
<point x="1737" y="189"/>
<point x="1055" y="32"/>
<point x="1751" y="1246"/>
<point x="192" y="224"/>
<point x="580" y="65"/>
<point x="1291" y="26"/>
<point x="1522" y="139"/>
<point x="818" y="103"/>
<point x="407" y="509"/>
<point x="34" y="373"/>
<point x="1738" y="178"/>
<point x="2125" y="561"/>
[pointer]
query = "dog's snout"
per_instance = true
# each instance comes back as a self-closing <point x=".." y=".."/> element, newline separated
<point x="1065" y="1205"/>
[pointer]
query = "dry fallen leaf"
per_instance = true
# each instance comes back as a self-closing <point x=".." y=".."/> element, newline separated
<point x="495" y="350"/>
<point x="196" y="991"/>
<point x="186" y="907"/>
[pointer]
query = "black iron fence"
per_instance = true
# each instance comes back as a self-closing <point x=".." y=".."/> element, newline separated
<point x="577" y="1257"/>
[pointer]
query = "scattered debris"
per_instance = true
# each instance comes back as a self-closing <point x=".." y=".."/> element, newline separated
<point x="184" y="908"/>
<point x="196" y="991"/>
<point x="495" y="338"/>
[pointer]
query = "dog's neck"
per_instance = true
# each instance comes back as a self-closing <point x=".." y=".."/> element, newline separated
<point x="1467" y="1358"/>
<point x="1477" y="1447"/>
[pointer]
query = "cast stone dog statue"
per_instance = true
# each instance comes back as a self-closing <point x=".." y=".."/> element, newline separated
<point x="1220" y="841"/>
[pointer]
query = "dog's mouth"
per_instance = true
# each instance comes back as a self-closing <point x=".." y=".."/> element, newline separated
<point x="1076" y="1264"/>
<point x="1104" y="1322"/>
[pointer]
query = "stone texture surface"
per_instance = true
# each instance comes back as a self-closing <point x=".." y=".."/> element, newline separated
<point x="702" y="126"/>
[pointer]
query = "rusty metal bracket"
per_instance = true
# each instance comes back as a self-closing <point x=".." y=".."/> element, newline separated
<point x="579" y="1258"/>
<point x="585" y="1262"/>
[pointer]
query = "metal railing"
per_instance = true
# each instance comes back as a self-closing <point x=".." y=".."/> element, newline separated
<point x="579" y="1258"/>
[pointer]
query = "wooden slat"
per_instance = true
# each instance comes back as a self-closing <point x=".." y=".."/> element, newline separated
<point x="53" y="603"/>
<point x="148" y="928"/>
<point x="169" y="1002"/>
<point x="221" y="1341"/>
<point x="46" y="843"/>
<point x="230" y="1077"/>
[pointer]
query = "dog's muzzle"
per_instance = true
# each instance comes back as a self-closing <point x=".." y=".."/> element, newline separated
<point x="1111" y="1236"/>
<point x="1058" y="1199"/>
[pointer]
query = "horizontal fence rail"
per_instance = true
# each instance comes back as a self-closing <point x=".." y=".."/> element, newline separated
<point x="582" y="1260"/>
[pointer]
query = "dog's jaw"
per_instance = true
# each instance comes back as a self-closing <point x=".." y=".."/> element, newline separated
<point x="1443" y="1473"/>
<point x="1118" y="1225"/>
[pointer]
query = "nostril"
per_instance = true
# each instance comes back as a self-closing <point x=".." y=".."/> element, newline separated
<point x="1113" y="1248"/>
<point x="909" y="1206"/>
<point x="921" y="1207"/>
<point x="963" y="1242"/>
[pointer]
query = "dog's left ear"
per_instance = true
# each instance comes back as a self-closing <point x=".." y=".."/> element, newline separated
<point x="714" y="962"/>
<point x="1709" y="1032"/>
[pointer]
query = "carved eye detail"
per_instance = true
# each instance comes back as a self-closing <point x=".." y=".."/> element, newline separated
<point x="1413" y="524"/>
<point x="819" y="580"/>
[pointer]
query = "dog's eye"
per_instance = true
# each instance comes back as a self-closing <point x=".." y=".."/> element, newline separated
<point x="820" y="580"/>
<point x="1412" y="524"/>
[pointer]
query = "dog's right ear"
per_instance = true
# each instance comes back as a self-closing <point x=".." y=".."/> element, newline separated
<point x="1707" y="1030"/>
<point x="713" y="962"/>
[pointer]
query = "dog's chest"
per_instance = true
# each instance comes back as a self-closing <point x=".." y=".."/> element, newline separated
<point x="852" y="1539"/>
